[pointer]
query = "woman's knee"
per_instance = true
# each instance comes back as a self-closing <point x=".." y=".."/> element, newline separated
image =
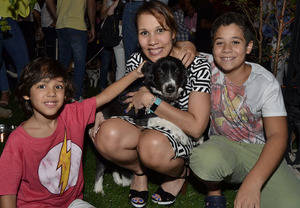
<point x="154" y="151"/>
<point x="107" y="138"/>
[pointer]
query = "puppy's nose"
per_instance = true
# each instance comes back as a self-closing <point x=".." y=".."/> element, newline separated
<point x="170" y="89"/>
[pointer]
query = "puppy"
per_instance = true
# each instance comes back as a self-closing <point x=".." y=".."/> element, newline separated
<point x="166" y="79"/>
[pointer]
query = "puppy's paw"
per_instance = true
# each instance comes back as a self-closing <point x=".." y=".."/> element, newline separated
<point x="126" y="181"/>
<point x="98" y="187"/>
<point x="117" y="178"/>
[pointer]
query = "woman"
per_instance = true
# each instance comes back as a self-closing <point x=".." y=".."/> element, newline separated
<point x="137" y="148"/>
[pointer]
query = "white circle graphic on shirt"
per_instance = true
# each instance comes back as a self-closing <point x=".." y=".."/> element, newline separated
<point x="50" y="172"/>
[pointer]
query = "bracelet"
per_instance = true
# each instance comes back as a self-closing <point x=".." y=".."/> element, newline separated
<point x="154" y="106"/>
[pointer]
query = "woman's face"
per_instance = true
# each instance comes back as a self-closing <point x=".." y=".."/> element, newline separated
<point x="155" y="41"/>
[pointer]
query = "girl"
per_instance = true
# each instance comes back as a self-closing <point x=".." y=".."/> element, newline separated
<point x="136" y="148"/>
<point x="46" y="169"/>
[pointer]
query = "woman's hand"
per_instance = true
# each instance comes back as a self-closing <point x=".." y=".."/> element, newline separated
<point x="139" y="99"/>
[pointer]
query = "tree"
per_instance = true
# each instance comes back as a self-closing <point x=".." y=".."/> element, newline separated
<point x="277" y="15"/>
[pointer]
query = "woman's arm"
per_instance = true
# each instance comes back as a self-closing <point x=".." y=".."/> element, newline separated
<point x="193" y="122"/>
<point x="269" y="159"/>
<point x="8" y="201"/>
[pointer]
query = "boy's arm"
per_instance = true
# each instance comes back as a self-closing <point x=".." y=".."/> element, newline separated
<point x="187" y="52"/>
<point x="117" y="87"/>
<point x="8" y="201"/>
<point x="269" y="159"/>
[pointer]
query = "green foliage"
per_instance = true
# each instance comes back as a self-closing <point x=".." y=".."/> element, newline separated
<point x="4" y="26"/>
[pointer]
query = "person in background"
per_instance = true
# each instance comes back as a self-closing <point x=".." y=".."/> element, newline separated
<point x="73" y="36"/>
<point x="13" y="42"/>
<point x="248" y="127"/>
<point x="48" y="23"/>
<point x="182" y="30"/>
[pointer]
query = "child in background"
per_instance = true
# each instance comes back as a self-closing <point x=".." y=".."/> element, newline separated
<point x="42" y="160"/>
<point x="248" y="129"/>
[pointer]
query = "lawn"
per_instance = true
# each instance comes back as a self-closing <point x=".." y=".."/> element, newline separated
<point x="117" y="196"/>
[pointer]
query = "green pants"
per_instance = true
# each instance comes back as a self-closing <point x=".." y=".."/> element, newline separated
<point x="220" y="159"/>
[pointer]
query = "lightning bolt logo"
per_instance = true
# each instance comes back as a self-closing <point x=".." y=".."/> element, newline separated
<point x="64" y="163"/>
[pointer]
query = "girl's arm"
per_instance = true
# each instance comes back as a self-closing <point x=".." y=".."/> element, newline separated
<point x="269" y="159"/>
<point x="117" y="87"/>
<point x="8" y="201"/>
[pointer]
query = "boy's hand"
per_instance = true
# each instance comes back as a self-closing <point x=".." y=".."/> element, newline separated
<point x="187" y="52"/>
<point x="138" y="71"/>
<point x="99" y="119"/>
<point x="247" y="196"/>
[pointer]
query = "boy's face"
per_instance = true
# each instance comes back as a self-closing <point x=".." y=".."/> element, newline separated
<point x="47" y="97"/>
<point x="230" y="49"/>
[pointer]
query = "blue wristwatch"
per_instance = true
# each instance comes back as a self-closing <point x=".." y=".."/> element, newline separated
<point x="155" y="105"/>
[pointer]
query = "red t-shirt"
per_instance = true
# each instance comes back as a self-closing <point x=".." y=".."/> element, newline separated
<point x="47" y="172"/>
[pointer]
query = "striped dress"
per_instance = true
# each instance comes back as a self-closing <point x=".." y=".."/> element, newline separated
<point x="198" y="80"/>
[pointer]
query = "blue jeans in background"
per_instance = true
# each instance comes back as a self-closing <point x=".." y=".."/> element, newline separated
<point x="72" y="43"/>
<point x="129" y="32"/>
<point x="106" y="58"/>
<point x="15" y="46"/>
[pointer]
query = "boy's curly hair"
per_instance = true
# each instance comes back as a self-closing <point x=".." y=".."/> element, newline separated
<point x="233" y="18"/>
<point x="34" y="72"/>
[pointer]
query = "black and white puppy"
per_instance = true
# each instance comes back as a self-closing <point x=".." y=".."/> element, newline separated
<point x="166" y="79"/>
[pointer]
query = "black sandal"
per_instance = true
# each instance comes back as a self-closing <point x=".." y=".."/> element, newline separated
<point x="161" y="197"/>
<point x="142" y="195"/>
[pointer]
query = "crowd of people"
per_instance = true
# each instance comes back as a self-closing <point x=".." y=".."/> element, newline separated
<point x="240" y="103"/>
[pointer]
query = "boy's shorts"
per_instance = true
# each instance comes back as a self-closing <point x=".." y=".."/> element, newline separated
<point x="79" y="203"/>
<point x="221" y="159"/>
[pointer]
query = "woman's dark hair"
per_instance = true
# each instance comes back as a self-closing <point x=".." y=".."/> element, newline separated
<point x="233" y="18"/>
<point x="161" y="12"/>
<point x="34" y="72"/>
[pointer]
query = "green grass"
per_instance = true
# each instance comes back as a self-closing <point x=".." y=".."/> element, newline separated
<point x="117" y="196"/>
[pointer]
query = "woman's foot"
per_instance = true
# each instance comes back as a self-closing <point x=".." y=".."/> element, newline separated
<point x="138" y="194"/>
<point x="169" y="190"/>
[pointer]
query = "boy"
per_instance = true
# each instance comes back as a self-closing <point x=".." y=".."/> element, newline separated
<point x="41" y="164"/>
<point x="248" y="130"/>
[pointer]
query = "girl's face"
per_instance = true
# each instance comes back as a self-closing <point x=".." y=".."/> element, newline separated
<point x="230" y="49"/>
<point x="47" y="97"/>
<point x="155" y="41"/>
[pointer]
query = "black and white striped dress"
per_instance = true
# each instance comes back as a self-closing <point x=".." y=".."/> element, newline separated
<point x="198" y="80"/>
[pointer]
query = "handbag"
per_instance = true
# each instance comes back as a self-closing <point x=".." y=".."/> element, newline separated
<point x="109" y="32"/>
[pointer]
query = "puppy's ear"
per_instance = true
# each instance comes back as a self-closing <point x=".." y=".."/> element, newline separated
<point x="146" y="68"/>
<point x="148" y="75"/>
